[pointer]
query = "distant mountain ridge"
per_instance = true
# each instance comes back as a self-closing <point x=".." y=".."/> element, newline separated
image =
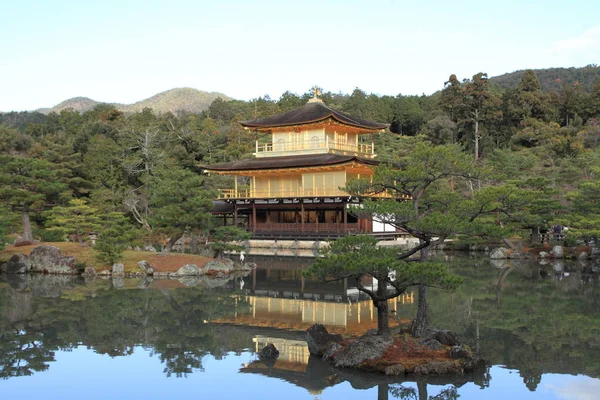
<point x="178" y="99"/>
<point x="553" y="78"/>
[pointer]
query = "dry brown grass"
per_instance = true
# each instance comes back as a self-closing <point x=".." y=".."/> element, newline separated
<point x="408" y="352"/>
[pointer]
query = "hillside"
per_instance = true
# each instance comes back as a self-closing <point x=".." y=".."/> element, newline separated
<point x="553" y="78"/>
<point x="184" y="99"/>
<point x="81" y="104"/>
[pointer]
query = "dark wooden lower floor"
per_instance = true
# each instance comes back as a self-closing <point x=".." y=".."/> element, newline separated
<point x="309" y="219"/>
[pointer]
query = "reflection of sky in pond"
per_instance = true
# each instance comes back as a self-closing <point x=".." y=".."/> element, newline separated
<point x="141" y="376"/>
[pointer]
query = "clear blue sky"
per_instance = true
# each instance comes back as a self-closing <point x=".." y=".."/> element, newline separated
<point x="125" y="51"/>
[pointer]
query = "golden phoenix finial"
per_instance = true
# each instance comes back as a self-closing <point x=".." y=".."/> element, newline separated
<point x="316" y="93"/>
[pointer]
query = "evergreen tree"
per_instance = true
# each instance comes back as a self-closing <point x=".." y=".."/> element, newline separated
<point x="4" y="225"/>
<point x="114" y="236"/>
<point x="356" y="257"/>
<point x="77" y="219"/>
<point x="224" y="238"/>
<point x="180" y="203"/>
<point x="28" y="185"/>
<point x="442" y="199"/>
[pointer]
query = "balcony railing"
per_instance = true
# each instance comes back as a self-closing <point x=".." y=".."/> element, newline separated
<point x="308" y="227"/>
<point x="316" y="144"/>
<point x="249" y="193"/>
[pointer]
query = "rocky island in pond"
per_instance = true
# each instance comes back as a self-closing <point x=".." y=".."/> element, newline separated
<point x="439" y="352"/>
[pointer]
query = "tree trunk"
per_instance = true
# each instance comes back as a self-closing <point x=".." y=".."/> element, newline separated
<point x="194" y="244"/>
<point x="383" y="326"/>
<point x="535" y="235"/>
<point x="380" y="301"/>
<point x="382" y="391"/>
<point x="477" y="137"/>
<point x="422" y="389"/>
<point x="171" y="243"/>
<point x="421" y="321"/>
<point x="27" y="234"/>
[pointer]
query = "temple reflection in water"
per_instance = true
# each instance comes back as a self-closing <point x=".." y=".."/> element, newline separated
<point x="281" y="297"/>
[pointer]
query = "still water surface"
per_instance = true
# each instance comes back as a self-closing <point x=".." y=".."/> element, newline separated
<point x="538" y="326"/>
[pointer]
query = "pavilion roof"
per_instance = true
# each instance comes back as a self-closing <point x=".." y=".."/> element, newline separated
<point x="310" y="160"/>
<point x="310" y="113"/>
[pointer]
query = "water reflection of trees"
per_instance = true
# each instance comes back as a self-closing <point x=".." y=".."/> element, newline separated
<point x="172" y="323"/>
<point x="530" y="317"/>
<point x="420" y="392"/>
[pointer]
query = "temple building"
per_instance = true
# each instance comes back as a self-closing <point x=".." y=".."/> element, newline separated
<point x="294" y="185"/>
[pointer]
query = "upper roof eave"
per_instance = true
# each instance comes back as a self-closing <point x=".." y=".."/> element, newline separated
<point x="309" y="114"/>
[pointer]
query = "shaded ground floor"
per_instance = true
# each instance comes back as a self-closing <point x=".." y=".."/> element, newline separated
<point x="298" y="216"/>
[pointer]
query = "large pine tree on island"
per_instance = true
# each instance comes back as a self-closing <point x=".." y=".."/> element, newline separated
<point x="439" y="185"/>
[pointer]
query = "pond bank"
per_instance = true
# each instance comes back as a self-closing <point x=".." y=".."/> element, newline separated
<point x="75" y="259"/>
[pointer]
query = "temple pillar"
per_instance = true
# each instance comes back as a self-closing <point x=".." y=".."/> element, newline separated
<point x="302" y="216"/>
<point x="235" y="214"/>
<point x="253" y="217"/>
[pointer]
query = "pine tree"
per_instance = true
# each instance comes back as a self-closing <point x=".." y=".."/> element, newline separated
<point x="77" y="219"/>
<point x="29" y="185"/>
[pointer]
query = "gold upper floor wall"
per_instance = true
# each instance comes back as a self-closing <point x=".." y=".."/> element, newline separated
<point x="325" y="181"/>
<point x="315" y="140"/>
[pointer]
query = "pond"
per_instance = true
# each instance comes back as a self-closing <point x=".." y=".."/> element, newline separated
<point x="537" y="326"/>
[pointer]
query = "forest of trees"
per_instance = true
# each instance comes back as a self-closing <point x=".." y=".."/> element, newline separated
<point x="66" y="173"/>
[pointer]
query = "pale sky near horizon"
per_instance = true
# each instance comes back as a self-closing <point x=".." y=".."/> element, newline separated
<point x="127" y="50"/>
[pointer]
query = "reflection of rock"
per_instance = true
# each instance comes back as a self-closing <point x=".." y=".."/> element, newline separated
<point x="17" y="264"/>
<point x="20" y="306"/>
<point x="188" y="280"/>
<point x="17" y="281"/>
<point x="557" y="252"/>
<point x="499" y="253"/>
<point x="439" y="368"/>
<point x="245" y="266"/>
<point x="118" y="281"/>
<point x="520" y="255"/>
<point x="269" y="352"/>
<point x="51" y="285"/>
<point x="318" y="339"/>
<point x="500" y="263"/>
<point x="558" y="265"/>
<point x="211" y="283"/>
<point x="145" y="282"/>
<point x="502" y="253"/>
<point x="49" y="259"/>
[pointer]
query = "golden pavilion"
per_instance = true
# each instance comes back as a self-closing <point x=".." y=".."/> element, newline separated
<point x="294" y="185"/>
